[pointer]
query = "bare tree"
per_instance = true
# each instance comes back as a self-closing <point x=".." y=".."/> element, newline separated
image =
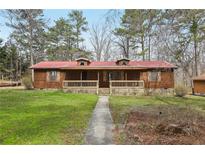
<point x="101" y="41"/>
<point x="124" y="44"/>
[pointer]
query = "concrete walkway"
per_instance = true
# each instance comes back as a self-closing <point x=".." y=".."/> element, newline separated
<point x="100" y="127"/>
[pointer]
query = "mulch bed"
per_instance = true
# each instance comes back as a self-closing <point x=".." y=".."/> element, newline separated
<point x="162" y="126"/>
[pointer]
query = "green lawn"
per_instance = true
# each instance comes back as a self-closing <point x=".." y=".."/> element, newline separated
<point x="44" y="117"/>
<point x="120" y="105"/>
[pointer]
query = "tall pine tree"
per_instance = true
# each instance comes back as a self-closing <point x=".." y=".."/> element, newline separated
<point x="28" y="28"/>
<point x="79" y="25"/>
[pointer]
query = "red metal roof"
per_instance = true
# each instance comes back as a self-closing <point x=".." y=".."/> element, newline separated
<point x="101" y="64"/>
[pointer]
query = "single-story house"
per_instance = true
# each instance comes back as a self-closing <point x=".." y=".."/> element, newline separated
<point x="121" y="76"/>
<point x="199" y="85"/>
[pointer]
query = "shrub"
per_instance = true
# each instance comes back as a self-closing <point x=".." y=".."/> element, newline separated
<point x="181" y="90"/>
<point x="27" y="82"/>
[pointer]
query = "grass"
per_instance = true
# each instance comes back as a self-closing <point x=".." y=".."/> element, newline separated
<point x="44" y="117"/>
<point x="120" y="105"/>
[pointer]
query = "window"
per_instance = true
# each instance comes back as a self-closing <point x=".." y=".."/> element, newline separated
<point x="124" y="63"/>
<point x="53" y="75"/>
<point x="82" y="63"/>
<point x="154" y="76"/>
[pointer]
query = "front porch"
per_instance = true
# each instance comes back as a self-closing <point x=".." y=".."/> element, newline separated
<point x="109" y="82"/>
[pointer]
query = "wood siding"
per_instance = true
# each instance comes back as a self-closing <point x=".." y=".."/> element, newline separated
<point x="166" y="80"/>
<point x="41" y="78"/>
<point x="199" y="86"/>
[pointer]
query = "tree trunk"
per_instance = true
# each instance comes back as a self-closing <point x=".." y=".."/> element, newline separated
<point x="149" y="49"/>
<point x="127" y="48"/>
<point x="77" y="35"/>
<point x="20" y="67"/>
<point x="17" y="69"/>
<point x="98" y="55"/>
<point x="195" y="56"/>
<point x="194" y="32"/>
<point x="142" y="42"/>
<point x="31" y="52"/>
<point x="11" y="68"/>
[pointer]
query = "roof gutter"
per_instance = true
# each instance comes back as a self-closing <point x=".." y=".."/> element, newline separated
<point x="107" y="68"/>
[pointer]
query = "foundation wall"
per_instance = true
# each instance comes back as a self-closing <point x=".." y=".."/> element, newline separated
<point x="123" y="91"/>
<point x="81" y="90"/>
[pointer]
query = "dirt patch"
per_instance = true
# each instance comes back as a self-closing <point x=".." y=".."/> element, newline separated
<point x="162" y="125"/>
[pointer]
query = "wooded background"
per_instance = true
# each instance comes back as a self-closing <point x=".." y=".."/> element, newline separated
<point x="177" y="36"/>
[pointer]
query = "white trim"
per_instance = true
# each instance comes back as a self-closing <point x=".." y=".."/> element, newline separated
<point x="32" y="75"/>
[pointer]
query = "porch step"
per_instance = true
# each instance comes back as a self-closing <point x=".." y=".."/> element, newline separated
<point x="104" y="91"/>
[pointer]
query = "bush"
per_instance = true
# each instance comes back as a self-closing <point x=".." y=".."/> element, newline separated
<point x="181" y="90"/>
<point x="27" y="82"/>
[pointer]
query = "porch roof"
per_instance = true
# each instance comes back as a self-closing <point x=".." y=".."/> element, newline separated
<point x="102" y="65"/>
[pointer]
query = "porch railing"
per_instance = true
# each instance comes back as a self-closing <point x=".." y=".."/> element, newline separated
<point x="127" y="83"/>
<point x="72" y="84"/>
<point x="81" y="84"/>
<point x="119" y="84"/>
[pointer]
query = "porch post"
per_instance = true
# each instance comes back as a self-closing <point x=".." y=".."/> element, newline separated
<point x="98" y="82"/>
<point x="110" y="83"/>
<point x="81" y="77"/>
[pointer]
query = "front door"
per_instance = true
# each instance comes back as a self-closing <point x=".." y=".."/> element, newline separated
<point x="84" y="75"/>
<point x="104" y="79"/>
